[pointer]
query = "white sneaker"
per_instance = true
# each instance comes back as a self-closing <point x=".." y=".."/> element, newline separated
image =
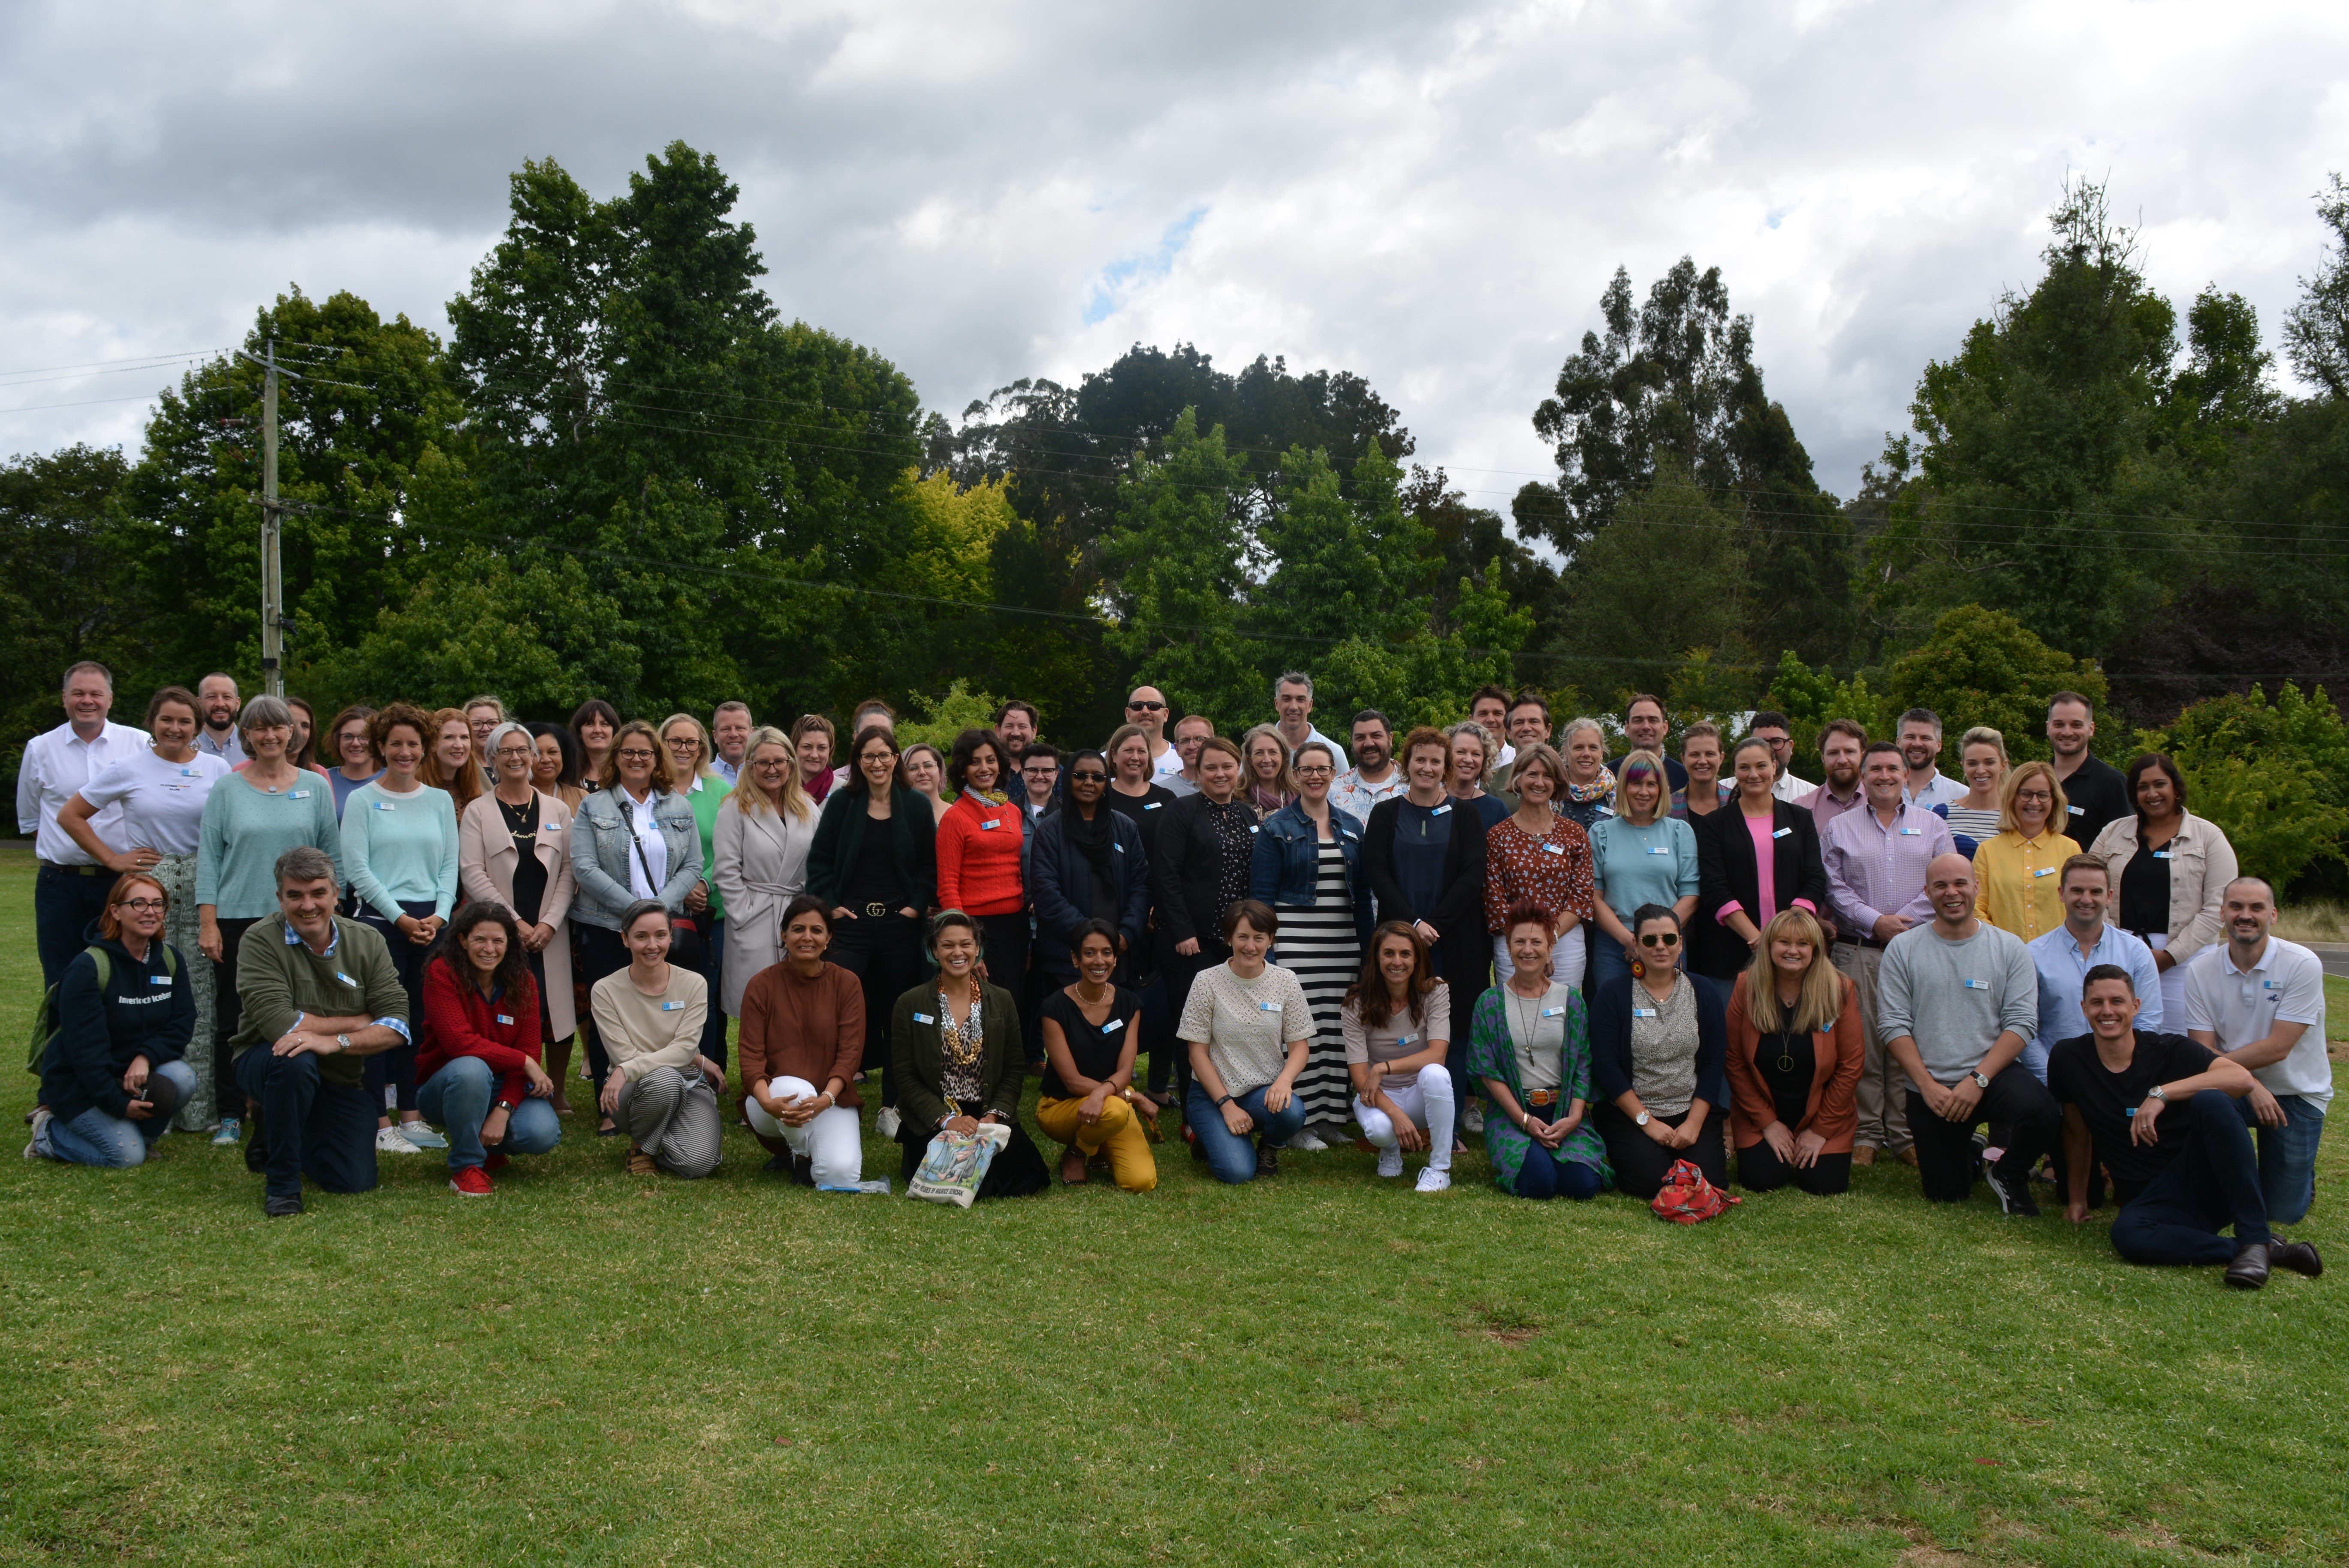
<point x="1306" y="1143"/>
<point x="38" y="1148"/>
<point x="1433" y="1181"/>
<point x="1390" y="1162"/>
<point x="885" y="1124"/>
<point x="388" y="1141"/>
<point x="1475" y="1120"/>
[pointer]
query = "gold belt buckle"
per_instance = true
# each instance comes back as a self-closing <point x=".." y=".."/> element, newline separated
<point x="1542" y="1097"/>
<point x="875" y="911"/>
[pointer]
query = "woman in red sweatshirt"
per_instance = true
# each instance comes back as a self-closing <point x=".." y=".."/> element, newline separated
<point x="979" y="842"/>
<point x="478" y="1071"/>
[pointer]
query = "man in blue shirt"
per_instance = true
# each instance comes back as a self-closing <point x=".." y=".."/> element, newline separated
<point x="2065" y="957"/>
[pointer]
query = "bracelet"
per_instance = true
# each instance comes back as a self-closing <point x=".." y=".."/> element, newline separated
<point x="1223" y="1102"/>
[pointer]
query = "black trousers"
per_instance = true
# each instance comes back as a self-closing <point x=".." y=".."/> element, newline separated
<point x="1017" y="1170"/>
<point x="66" y="901"/>
<point x="1759" y="1170"/>
<point x="1946" y="1158"/>
<point x="596" y="953"/>
<point x="1175" y="975"/>
<point x="2211" y="1183"/>
<point x="1003" y="942"/>
<point x="228" y="1016"/>
<point x="309" y="1127"/>
<point x="884" y="953"/>
<point x="1641" y="1163"/>
<point x="397" y="1068"/>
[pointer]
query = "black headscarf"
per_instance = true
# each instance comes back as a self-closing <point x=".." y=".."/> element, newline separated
<point x="1093" y="839"/>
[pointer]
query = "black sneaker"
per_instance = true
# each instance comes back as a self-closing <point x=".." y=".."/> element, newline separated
<point x="2014" y="1191"/>
<point x="281" y="1207"/>
<point x="1268" y="1159"/>
<point x="777" y="1165"/>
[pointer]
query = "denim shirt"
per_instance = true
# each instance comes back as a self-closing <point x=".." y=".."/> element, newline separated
<point x="1286" y="864"/>
<point x="601" y="846"/>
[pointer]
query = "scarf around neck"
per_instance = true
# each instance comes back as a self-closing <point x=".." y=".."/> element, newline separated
<point x="1599" y="788"/>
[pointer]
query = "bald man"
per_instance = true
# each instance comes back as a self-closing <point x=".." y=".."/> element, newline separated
<point x="1957" y="1001"/>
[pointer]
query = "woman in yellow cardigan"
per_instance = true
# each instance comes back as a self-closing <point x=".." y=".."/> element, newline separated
<point x="2019" y="873"/>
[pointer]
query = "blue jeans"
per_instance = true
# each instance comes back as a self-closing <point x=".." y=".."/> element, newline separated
<point x="1606" y="960"/>
<point x="64" y="903"/>
<point x="95" y="1137"/>
<point x="457" y="1099"/>
<point x="1230" y="1156"/>
<point x="309" y="1127"/>
<point x="396" y="1068"/>
<point x="2287" y="1157"/>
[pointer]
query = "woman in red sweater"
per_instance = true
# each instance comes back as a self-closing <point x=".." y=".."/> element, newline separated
<point x="979" y="839"/>
<point x="479" y="1073"/>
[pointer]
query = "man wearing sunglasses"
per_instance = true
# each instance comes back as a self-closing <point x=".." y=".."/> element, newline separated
<point x="1146" y="711"/>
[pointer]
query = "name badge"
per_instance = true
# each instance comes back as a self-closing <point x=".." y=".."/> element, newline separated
<point x="1267" y="1007"/>
<point x="158" y="979"/>
<point x="2078" y="810"/>
<point x="1118" y="847"/>
<point x="924" y="1019"/>
<point x="2161" y="854"/>
<point x="2045" y="872"/>
<point x="1406" y="1040"/>
<point x="1643" y="1012"/>
<point x="671" y="1006"/>
<point x="1253" y="826"/>
<point x="379" y="805"/>
<point x="1113" y="1026"/>
<point x="1549" y="848"/>
<point x="347" y="980"/>
<point x="305" y="795"/>
<point x="1552" y="1012"/>
<point x="506" y="1018"/>
<point x="2271" y="985"/>
<point x="1153" y="805"/>
<point x="989" y="825"/>
<point x="1905" y="832"/>
<point x="1439" y="810"/>
<point x="1659" y="848"/>
<point x="189" y="773"/>
<point x="1782" y="832"/>
<point x="1977" y="985"/>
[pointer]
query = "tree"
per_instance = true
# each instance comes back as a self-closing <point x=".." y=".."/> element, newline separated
<point x="67" y="591"/>
<point x="2274" y="776"/>
<point x="1810" y="698"/>
<point x="1986" y="667"/>
<point x="2316" y="330"/>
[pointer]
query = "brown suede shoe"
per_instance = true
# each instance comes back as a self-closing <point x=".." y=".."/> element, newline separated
<point x="2249" y="1269"/>
<point x="1863" y="1154"/>
<point x="1908" y="1155"/>
<point x="640" y="1164"/>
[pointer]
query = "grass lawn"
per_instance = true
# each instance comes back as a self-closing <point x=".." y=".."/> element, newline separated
<point x="593" y="1368"/>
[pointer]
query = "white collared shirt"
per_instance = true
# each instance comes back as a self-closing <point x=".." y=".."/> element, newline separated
<point x="1940" y="792"/>
<point x="2238" y="1006"/>
<point x="1791" y="789"/>
<point x="57" y="763"/>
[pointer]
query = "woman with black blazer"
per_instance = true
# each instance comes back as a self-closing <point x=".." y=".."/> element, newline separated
<point x="1659" y="1059"/>
<point x="959" y="1061"/>
<point x="1733" y="903"/>
<point x="874" y="862"/>
<point x="1199" y="867"/>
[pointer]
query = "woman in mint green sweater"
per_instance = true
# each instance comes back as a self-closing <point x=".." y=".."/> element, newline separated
<point x="251" y="818"/>
<point x="399" y="852"/>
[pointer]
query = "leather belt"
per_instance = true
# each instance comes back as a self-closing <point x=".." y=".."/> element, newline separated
<point x="1860" y="941"/>
<point x="64" y="869"/>
<point x="1541" y="1098"/>
<point x="875" y="911"/>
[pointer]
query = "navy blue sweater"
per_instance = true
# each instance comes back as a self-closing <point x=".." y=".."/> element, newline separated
<point x="143" y="1011"/>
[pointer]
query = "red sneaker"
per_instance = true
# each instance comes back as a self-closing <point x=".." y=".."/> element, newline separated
<point x="472" y="1182"/>
<point x="494" y="1162"/>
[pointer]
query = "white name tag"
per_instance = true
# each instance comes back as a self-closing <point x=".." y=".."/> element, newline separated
<point x="379" y="805"/>
<point x="1553" y="849"/>
<point x="1643" y="1012"/>
<point x="671" y="1006"/>
<point x="2045" y="872"/>
<point x="1406" y="1040"/>
<point x="1113" y="1026"/>
<point x="1267" y="1007"/>
<point x="1905" y="832"/>
<point x="1552" y="1012"/>
<point x="2078" y="810"/>
<point x="1252" y="827"/>
<point x="158" y="979"/>
<point x="506" y="1018"/>
<point x="189" y="773"/>
<point x="305" y="795"/>
<point x="1977" y="985"/>
<point x="1153" y="805"/>
<point x="1439" y="810"/>
<point x="1782" y="832"/>
<point x="2271" y="985"/>
<point x="347" y="980"/>
<point x="1659" y="848"/>
<point x="1119" y="848"/>
<point x="989" y="825"/>
<point x="2161" y="854"/>
<point x="924" y="1019"/>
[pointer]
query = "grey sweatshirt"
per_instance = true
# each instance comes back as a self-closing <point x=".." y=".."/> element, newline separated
<point x="1955" y="998"/>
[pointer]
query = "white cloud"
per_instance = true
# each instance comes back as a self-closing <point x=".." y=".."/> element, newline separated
<point x="1431" y="196"/>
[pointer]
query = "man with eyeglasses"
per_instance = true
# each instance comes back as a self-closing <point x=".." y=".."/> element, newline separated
<point x="1039" y="771"/>
<point x="1146" y="711"/>
<point x="1875" y="861"/>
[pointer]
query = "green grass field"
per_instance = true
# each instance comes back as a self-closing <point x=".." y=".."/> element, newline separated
<point x="593" y="1368"/>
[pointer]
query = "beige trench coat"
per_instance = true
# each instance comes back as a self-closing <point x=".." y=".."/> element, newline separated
<point x="485" y="867"/>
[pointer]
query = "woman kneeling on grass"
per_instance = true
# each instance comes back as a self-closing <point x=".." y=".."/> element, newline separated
<point x="661" y="1091"/>
<point x="804" y="1025"/>
<point x="1795" y="1054"/>
<point x="960" y="1061"/>
<point x="1248" y="1028"/>
<point x="1659" y="1045"/>
<point x="480" y="1069"/>
<point x="111" y="1076"/>
<point x="1530" y="1043"/>
<point x="1090" y="1029"/>
<point x="1396" y="1023"/>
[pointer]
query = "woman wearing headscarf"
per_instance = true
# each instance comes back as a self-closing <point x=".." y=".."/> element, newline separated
<point x="1088" y="863"/>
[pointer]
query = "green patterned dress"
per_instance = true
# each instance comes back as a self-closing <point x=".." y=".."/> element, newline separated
<point x="1493" y="1055"/>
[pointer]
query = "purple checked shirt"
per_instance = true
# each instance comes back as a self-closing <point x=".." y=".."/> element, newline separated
<point x="1874" y="871"/>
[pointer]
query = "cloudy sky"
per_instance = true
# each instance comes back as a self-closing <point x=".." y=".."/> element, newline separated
<point x="1430" y="195"/>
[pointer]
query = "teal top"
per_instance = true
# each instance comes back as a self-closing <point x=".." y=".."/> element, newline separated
<point x="1632" y="865"/>
<point x="703" y="796"/>
<point x="400" y="849"/>
<point x="245" y="828"/>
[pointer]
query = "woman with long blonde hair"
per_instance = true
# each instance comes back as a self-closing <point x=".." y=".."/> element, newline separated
<point x="1795" y="1051"/>
<point x="764" y="829"/>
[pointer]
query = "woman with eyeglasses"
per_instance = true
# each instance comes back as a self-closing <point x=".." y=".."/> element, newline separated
<point x="1088" y="863"/>
<point x="874" y="862"/>
<point x="112" y="1077"/>
<point x="691" y="760"/>
<point x="1658" y="1048"/>
<point x="635" y="839"/>
<point x="981" y="843"/>
<point x="513" y="850"/>
<point x="1529" y="1053"/>
<point x="2019" y="871"/>
<point x="401" y="850"/>
<point x="1308" y="866"/>
<point x="1795" y="1054"/>
<point x="356" y="762"/>
<point x="161" y="796"/>
<point x="765" y="829"/>
<point x="661" y="1090"/>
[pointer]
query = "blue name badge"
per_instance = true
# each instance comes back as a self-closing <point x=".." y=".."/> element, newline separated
<point x="305" y="795"/>
<point x="1267" y="1007"/>
<point x="1782" y="832"/>
<point x="506" y="1018"/>
<point x="671" y="1006"/>
<point x="1659" y="848"/>
<point x="1977" y="985"/>
<point x="2161" y="854"/>
<point x="1552" y="1012"/>
<point x="1643" y="1012"/>
<point x="989" y="825"/>
<point x="924" y="1019"/>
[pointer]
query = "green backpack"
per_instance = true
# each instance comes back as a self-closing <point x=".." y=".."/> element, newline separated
<point x="45" y="1021"/>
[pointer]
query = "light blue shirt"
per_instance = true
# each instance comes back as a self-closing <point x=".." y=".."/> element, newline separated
<point x="2063" y="973"/>
<point x="1635" y="865"/>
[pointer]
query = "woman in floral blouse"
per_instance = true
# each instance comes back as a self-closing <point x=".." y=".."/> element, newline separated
<point x="1539" y="856"/>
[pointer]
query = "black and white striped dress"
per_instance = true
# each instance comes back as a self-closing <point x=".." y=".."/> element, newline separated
<point x="1319" y="946"/>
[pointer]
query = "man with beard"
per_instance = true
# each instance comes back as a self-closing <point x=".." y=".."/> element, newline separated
<point x="1015" y="725"/>
<point x="1920" y="747"/>
<point x="217" y="696"/>
<point x="2091" y="785"/>
<point x="1840" y="746"/>
<point x="1374" y="776"/>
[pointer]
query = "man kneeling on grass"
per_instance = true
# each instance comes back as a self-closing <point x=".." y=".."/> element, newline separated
<point x="2159" y="1111"/>
<point x="318" y="994"/>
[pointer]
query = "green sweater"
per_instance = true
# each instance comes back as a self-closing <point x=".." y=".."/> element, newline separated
<point x="704" y="801"/>
<point x="277" y="980"/>
<point x="1002" y="1062"/>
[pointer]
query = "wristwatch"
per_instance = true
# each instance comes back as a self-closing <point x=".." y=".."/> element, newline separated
<point x="1979" y="1080"/>
<point x="1640" y="1119"/>
<point x="2157" y="1092"/>
<point x="342" y="1042"/>
<point x="505" y="1105"/>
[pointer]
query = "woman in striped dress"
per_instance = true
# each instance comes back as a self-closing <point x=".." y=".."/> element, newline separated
<point x="1308" y="866"/>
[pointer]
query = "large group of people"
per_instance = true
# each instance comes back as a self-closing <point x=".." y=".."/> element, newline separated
<point x="1656" y="961"/>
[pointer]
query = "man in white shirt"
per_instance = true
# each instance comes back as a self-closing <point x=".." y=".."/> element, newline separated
<point x="2258" y="1000"/>
<point x="1292" y="697"/>
<point x="1374" y="776"/>
<point x="1490" y="707"/>
<point x="69" y="889"/>
<point x="730" y="737"/>
<point x="1146" y="711"/>
<point x="1774" y="727"/>
<point x="2086" y="940"/>
<point x="1920" y="748"/>
<point x="216" y="697"/>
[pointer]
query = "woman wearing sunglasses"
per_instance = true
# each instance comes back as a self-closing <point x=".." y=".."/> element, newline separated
<point x="1088" y="863"/>
<point x="1658" y="1048"/>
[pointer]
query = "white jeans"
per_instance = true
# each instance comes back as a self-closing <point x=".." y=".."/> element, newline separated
<point x="834" y="1141"/>
<point x="1427" y="1100"/>
<point x="1566" y="959"/>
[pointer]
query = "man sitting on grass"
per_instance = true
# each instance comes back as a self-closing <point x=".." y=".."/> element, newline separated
<point x="320" y="992"/>
<point x="2159" y="1111"/>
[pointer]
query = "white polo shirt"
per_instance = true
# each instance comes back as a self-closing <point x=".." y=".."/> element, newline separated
<point x="57" y="763"/>
<point x="2241" y="1005"/>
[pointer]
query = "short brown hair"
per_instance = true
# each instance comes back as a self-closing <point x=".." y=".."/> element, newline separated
<point x="1852" y="727"/>
<point x="1254" y="912"/>
<point x="2085" y="863"/>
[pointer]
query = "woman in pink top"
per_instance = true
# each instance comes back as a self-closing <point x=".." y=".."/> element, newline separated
<point x="1755" y="856"/>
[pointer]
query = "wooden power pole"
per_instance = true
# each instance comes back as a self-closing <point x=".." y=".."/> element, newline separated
<point x="273" y="580"/>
